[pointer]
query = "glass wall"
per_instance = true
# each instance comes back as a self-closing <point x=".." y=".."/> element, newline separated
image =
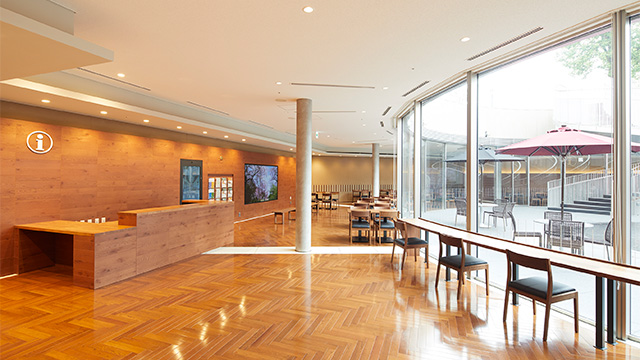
<point x="407" y="166"/>
<point x="635" y="166"/>
<point x="443" y="158"/>
<point x="565" y="88"/>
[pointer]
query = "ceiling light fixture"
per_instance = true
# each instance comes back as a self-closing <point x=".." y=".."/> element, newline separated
<point x="146" y="120"/>
<point x="465" y="39"/>
<point x="279" y="83"/>
<point x="46" y="101"/>
<point x="244" y="139"/>
<point x="226" y="136"/>
<point x="290" y="149"/>
<point x="179" y="127"/>
<point x="307" y="9"/>
<point x="103" y="112"/>
<point x="385" y="88"/>
<point x="120" y="75"/>
<point x="204" y="132"/>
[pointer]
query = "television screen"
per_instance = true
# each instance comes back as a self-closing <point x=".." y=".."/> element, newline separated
<point x="260" y="183"/>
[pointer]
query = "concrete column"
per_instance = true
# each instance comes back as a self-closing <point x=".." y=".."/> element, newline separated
<point x="375" y="156"/>
<point x="303" y="175"/>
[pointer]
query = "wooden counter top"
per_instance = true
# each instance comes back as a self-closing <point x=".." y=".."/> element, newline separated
<point x="73" y="227"/>
<point x="190" y="204"/>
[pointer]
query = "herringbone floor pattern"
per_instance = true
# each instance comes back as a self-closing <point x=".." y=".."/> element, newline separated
<point x="278" y="307"/>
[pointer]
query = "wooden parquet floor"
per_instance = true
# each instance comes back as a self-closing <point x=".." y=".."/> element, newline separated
<point x="278" y="307"/>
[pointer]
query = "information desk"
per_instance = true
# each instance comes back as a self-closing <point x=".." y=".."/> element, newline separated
<point x="140" y="241"/>
<point x="601" y="269"/>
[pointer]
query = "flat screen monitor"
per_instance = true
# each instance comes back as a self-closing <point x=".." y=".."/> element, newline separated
<point x="260" y="183"/>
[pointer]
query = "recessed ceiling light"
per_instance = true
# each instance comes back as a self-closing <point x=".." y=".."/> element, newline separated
<point x="103" y="112"/>
<point x="353" y="142"/>
<point x="244" y="139"/>
<point x="120" y="75"/>
<point x="364" y="112"/>
<point x="364" y="124"/>
<point x="307" y="9"/>
<point x="385" y="88"/>
<point x="146" y="120"/>
<point x="465" y="39"/>
<point x="328" y="135"/>
<point x="204" y="132"/>
<point x="375" y="134"/>
<point x="46" y="101"/>
<point x="179" y="127"/>
<point x="279" y="83"/>
<point x="226" y="136"/>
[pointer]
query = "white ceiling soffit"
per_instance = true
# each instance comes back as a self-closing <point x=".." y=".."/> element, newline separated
<point x="28" y="47"/>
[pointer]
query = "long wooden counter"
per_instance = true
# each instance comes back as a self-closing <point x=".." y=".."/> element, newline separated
<point x="140" y="241"/>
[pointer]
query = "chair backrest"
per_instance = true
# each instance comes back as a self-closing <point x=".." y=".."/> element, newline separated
<point x="388" y="214"/>
<point x="382" y="205"/>
<point x="566" y="233"/>
<point x="528" y="261"/>
<point x="326" y="196"/>
<point x="359" y="214"/>
<point x="513" y="224"/>
<point x="335" y="196"/>
<point x="608" y="233"/>
<point x="500" y="209"/>
<point x="461" y="206"/>
<point x="555" y="215"/>
<point x="401" y="228"/>
<point x="509" y="208"/>
<point x="355" y="192"/>
<point x="360" y="205"/>
<point x="451" y="241"/>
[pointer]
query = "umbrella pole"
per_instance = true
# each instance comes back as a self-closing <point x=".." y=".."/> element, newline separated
<point x="562" y="176"/>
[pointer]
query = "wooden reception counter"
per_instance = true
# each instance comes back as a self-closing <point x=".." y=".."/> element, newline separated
<point x="140" y="241"/>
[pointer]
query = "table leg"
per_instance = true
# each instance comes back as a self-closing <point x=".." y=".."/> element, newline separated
<point x="611" y="312"/>
<point x="600" y="313"/>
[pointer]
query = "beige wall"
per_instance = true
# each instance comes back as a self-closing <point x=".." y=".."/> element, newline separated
<point x="341" y="173"/>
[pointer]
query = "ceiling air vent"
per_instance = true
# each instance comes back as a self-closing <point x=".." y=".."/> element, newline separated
<point x="512" y="40"/>
<point x="336" y="86"/>
<point x="386" y="110"/>
<point x="208" y="108"/>
<point x="415" y="88"/>
<point x="114" y="79"/>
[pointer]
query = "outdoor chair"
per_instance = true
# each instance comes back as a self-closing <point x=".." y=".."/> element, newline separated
<point x="461" y="208"/>
<point x="501" y="211"/>
<point x="359" y="221"/>
<point x="517" y="233"/>
<point x="607" y="241"/>
<point x="554" y="215"/>
<point x="541" y="289"/>
<point x="461" y="263"/>
<point x="407" y="242"/>
<point x="567" y="234"/>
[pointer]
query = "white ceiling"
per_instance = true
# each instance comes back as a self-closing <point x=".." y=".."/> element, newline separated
<point x="227" y="56"/>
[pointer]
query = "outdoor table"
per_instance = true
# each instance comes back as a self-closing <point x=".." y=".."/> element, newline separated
<point x="601" y="269"/>
<point x="546" y="223"/>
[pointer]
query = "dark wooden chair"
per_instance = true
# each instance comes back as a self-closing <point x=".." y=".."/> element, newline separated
<point x="461" y="263"/>
<point x="384" y="222"/>
<point x="541" y="289"/>
<point x="407" y="242"/>
<point x="359" y="221"/>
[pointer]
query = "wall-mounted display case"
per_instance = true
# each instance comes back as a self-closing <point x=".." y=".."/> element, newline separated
<point x="220" y="187"/>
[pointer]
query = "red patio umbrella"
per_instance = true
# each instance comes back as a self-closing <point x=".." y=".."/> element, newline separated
<point x="562" y="142"/>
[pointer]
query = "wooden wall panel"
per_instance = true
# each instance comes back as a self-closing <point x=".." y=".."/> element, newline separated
<point x="115" y="256"/>
<point x="91" y="173"/>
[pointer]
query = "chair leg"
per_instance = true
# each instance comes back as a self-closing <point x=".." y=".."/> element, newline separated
<point x="486" y="277"/>
<point x="437" y="274"/>
<point x="547" y="312"/>
<point x="393" y="249"/>
<point x="534" y="306"/>
<point x="460" y="282"/>
<point x="404" y="256"/>
<point x="575" y="313"/>
<point x="506" y="305"/>
<point x="426" y="255"/>
<point x="415" y="254"/>
<point x="350" y="238"/>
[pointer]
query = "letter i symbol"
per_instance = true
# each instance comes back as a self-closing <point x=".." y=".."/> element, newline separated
<point x="39" y="142"/>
